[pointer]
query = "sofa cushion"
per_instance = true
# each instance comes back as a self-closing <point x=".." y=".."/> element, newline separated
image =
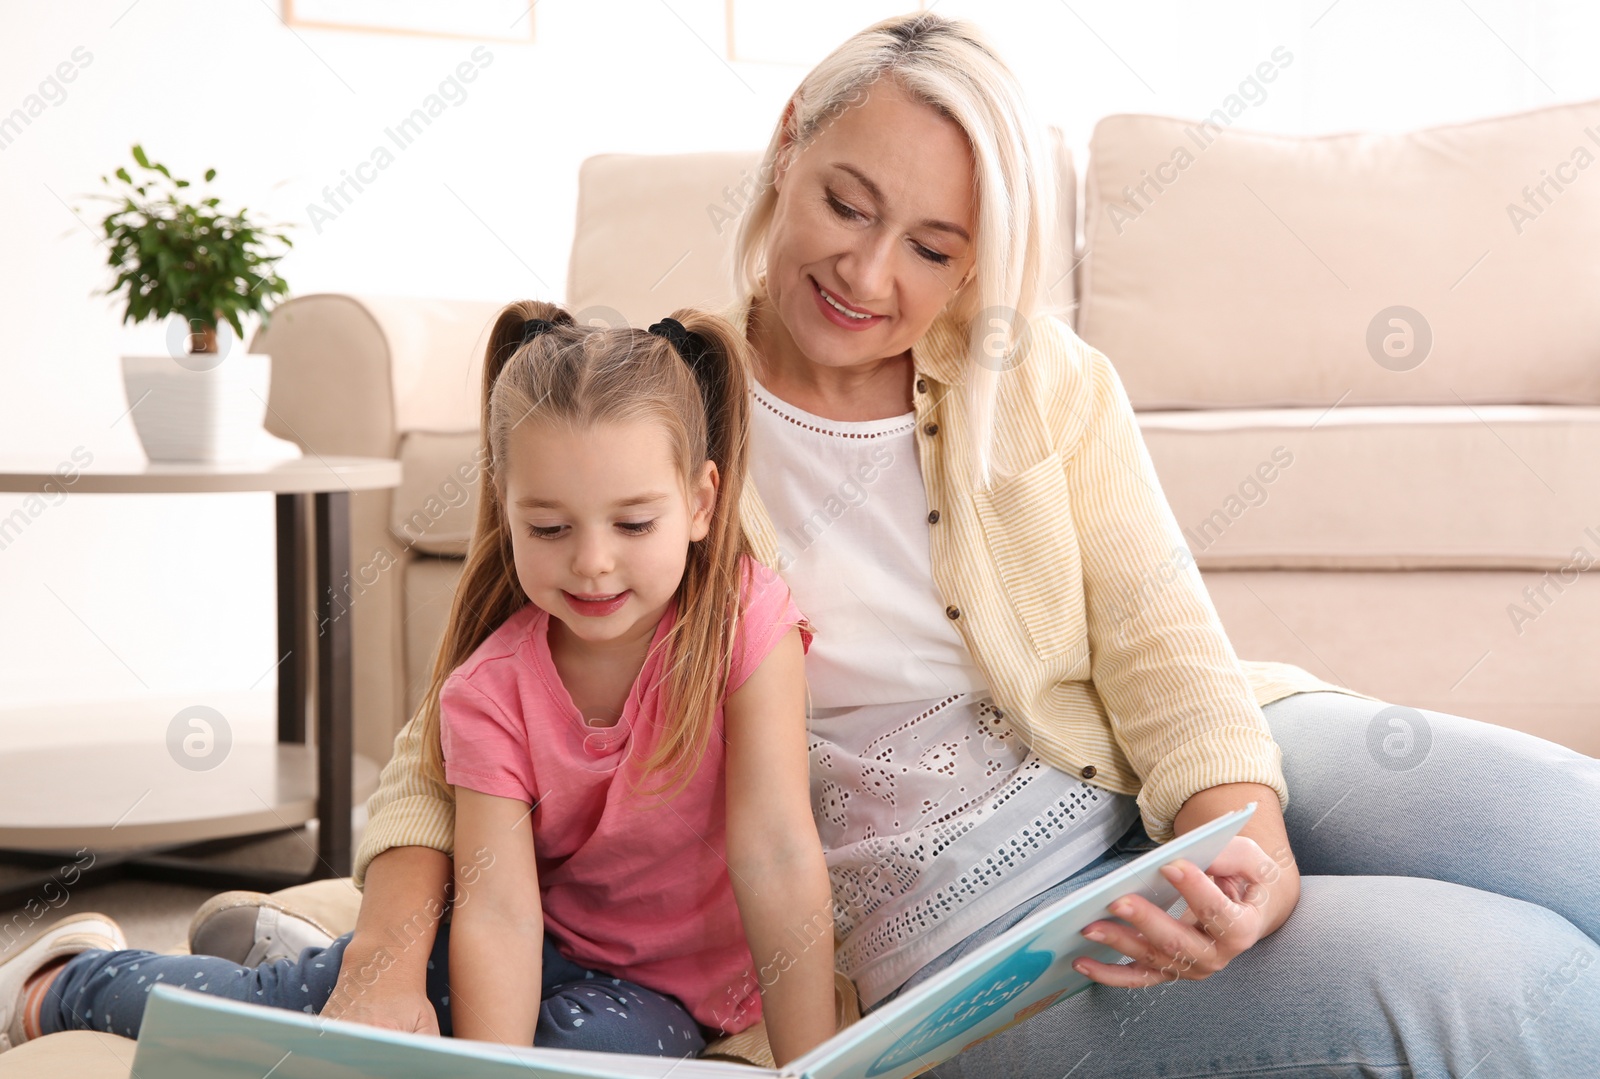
<point x="80" y="1054"/>
<point x="1495" y="486"/>
<point x="655" y="232"/>
<point x="1454" y="265"/>
<point x="436" y="504"/>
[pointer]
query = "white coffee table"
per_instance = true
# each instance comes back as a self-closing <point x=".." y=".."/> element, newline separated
<point x="137" y="809"/>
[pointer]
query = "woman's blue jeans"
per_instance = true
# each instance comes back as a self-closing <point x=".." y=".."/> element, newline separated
<point x="581" y="1009"/>
<point x="1447" y="923"/>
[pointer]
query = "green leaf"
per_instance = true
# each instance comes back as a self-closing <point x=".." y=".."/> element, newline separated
<point x="171" y="256"/>
<point x="211" y="174"/>
<point x="138" y="155"/>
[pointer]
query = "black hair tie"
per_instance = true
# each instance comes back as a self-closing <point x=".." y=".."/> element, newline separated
<point x="533" y="328"/>
<point x="689" y="345"/>
<point x="695" y="350"/>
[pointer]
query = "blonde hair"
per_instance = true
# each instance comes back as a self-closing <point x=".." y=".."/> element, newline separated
<point x="948" y="65"/>
<point x="583" y="377"/>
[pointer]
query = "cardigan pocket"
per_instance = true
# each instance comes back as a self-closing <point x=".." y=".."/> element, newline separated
<point x="1027" y="523"/>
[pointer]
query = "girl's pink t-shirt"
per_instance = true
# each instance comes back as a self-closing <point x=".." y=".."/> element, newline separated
<point x="634" y="885"/>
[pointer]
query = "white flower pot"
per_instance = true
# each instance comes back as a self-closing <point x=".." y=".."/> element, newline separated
<point x="203" y="408"/>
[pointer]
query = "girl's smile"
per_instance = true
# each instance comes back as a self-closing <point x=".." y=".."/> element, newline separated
<point x="596" y="606"/>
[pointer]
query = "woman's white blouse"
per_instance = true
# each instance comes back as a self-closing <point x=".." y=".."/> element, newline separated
<point x="934" y="816"/>
<point x="851" y="515"/>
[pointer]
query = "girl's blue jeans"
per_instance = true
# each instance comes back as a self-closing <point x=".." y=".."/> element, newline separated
<point x="1447" y="922"/>
<point x="581" y="1009"/>
<point x="1447" y="926"/>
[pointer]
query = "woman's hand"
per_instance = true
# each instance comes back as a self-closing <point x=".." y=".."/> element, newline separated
<point x="1244" y="896"/>
<point x="375" y="993"/>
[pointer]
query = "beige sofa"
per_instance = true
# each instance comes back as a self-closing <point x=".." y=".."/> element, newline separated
<point x="1416" y="530"/>
<point x="1415" y="521"/>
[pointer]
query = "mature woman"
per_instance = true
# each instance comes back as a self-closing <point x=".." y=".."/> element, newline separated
<point x="1019" y="681"/>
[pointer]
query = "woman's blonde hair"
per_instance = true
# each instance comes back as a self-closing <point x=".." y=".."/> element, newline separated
<point x="950" y="66"/>
<point x="581" y="377"/>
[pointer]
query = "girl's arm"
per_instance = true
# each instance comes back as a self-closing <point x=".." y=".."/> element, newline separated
<point x="402" y="869"/>
<point x="497" y="922"/>
<point x="383" y="976"/>
<point x="774" y="856"/>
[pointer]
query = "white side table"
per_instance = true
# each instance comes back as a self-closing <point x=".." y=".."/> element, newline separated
<point x="139" y="808"/>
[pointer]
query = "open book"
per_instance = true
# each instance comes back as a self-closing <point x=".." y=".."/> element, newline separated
<point x="187" y="1035"/>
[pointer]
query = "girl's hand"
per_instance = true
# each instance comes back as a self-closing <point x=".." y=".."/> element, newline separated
<point x="394" y="1009"/>
<point x="1231" y="906"/>
<point x="383" y="1002"/>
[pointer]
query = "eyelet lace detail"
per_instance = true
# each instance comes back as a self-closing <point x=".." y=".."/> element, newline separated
<point x="936" y="817"/>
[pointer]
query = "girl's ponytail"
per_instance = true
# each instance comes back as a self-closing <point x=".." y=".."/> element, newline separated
<point x="708" y="607"/>
<point x="487" y="592"/>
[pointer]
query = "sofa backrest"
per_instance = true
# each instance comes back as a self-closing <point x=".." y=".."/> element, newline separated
<point x="1449" y="266"/>
<point x="656" y="232"/>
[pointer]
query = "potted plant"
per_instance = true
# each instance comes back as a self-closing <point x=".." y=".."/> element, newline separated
<point x="176" y="255"/>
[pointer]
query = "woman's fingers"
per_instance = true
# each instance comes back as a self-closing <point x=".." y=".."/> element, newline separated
<point x="1155" y="939"/>
<point x="1218" y="917"/>
<point x="1209" y="934"/>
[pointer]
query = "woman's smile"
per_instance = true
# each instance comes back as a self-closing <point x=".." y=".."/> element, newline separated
<point x="841" y="313"/>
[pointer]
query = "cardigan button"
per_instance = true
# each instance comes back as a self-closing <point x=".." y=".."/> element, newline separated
<point x="953" y="612"/>
<point x="1088" y="771"/>
<point x="933" y="517"/>
<point x="922" y="386"/>
<point x="931" y="429"/>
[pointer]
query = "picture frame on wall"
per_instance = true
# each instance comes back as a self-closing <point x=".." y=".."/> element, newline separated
<point x="492" y="20"/>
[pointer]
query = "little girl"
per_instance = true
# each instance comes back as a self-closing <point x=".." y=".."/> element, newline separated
<point x="619" y="701"/>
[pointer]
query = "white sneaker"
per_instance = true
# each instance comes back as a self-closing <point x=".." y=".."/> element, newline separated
<point x="71" y="935"/>
<point x="252" y="928"/>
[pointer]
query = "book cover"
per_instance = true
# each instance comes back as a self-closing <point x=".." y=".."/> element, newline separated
<point x="1022" y="972"/>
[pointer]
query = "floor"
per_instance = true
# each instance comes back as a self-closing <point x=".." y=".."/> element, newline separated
<point x="152" y="914"/>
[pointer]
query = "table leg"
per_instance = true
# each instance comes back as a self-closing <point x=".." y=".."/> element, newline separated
<point x="294" y="619"/>
<point x="335" y="685"/>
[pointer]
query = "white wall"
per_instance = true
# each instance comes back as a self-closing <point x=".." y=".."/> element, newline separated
<point x="170" y="599"/>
